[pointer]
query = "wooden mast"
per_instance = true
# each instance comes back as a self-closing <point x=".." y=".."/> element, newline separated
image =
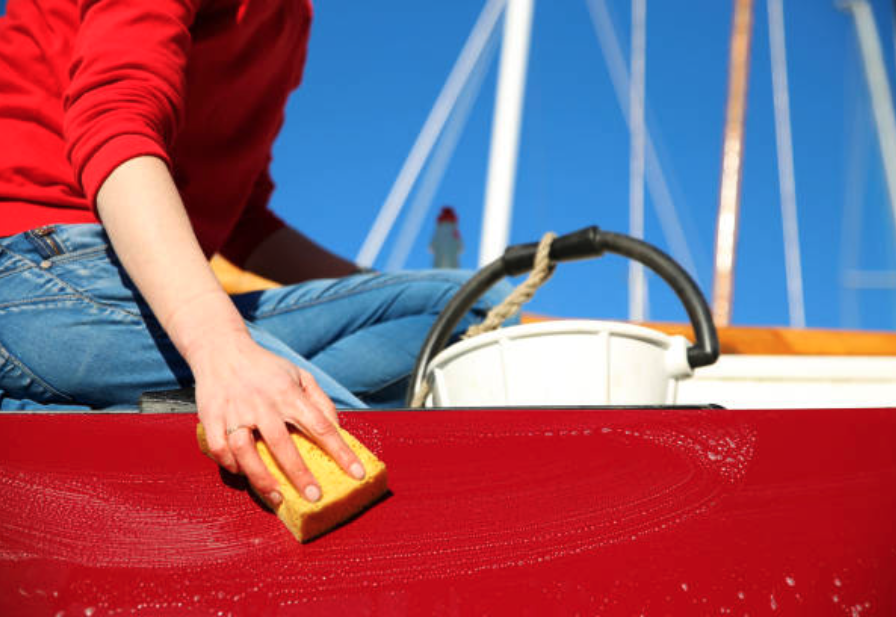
<point x="732" y="161"/>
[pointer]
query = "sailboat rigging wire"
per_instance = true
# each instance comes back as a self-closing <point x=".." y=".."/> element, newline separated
<point x="432" y="127"/>
<point x="786" y="180"/>
<point x="435" y="171"/>
<point x="637" y="284"/>
<point x="854" y="194"/>
<point x="879" y="89"/>
<point x="660" y="195"/>
<point x="867" y="279"/>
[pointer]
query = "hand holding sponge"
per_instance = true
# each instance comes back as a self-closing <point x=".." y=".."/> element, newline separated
<point x="343" y="496"/>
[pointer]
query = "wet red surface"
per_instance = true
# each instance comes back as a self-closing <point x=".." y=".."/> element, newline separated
<point x="497" y="512"/>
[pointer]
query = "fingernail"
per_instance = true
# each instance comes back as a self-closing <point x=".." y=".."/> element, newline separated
<point x="312" y="493"/>
<point x="357" y="471"/>
<point x="275" y="498"/>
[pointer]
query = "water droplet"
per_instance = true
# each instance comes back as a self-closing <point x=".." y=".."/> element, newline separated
<point x="684" y="586"/>
<point x="774" y="603"/>
<point x="89" y="611"/>
<point x="838" y="582"/>
<point x="790" y="581"/>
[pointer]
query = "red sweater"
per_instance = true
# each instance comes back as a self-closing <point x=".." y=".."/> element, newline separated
<point x="88" y="84"/>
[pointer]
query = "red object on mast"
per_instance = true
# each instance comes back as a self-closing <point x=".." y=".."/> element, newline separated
<point x="446" y="245"/>
<point x="447" y="215"/>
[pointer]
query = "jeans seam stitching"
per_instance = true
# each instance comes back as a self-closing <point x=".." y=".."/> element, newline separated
<point x="77" y="295"/>
<point x="18" y="364"/>
<point x="26" y="263"/>
<point x="15" y="303"/>
<point x="77" y="292"/>
<point x="16" y="271"/>
<point x="341" y="296"/>
<point x="59" y="259"/>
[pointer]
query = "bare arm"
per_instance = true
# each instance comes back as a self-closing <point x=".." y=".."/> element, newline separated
<point x="238" y="383"/>
<point x="287" y="256"/>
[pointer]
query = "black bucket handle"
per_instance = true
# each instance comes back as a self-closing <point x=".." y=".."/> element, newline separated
<point x="583" y="244"/>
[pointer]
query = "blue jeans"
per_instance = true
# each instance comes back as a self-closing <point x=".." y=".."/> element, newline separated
<point x="75" y="333"/>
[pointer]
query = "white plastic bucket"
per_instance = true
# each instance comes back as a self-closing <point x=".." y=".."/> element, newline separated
<point x="575" y="362"/>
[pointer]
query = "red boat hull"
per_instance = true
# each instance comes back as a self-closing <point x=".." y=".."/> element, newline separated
<point x="510" y="512"/>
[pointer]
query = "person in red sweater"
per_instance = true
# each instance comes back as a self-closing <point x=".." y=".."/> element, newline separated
<point x="135" y="140"/>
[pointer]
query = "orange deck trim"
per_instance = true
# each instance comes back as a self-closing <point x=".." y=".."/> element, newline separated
<point x="762" y="340"/>
<point x="235" y="280"/>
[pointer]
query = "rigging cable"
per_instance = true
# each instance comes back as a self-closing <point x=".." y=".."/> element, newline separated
<point x="858" y="135"/>
<point x="656" y="180"/>
<point x="786" y="180"/>
<point x="435" y="171"/>
<point x="432" y="127"/>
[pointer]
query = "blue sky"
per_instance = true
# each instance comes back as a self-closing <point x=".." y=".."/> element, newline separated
<point x="374" y="72"/>
<point x="375" y="69"/>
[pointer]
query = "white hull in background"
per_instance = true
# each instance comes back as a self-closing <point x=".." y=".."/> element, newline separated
<point x="779" y="381"/>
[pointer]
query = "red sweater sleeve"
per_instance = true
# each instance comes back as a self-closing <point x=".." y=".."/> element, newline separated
<point x="256" y="223"/>
<point x="126" y="95"/>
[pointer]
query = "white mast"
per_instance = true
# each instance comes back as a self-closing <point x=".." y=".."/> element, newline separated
<point x="787" y="184"/>
<point x="464" y="65"/>
<point x="506" y="130"/>
<point x="637" y="285"/>
<point x="879" y="88"/>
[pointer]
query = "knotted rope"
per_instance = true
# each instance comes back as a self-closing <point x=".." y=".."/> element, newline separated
<point x="542" y="269"/>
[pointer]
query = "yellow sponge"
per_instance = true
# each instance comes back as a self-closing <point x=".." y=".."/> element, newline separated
<point x="343" y="496"/>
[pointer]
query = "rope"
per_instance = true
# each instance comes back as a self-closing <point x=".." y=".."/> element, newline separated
<point x="542" y="270"/>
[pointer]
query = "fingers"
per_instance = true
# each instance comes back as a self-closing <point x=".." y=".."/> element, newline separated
<point x="281" y="445"/>
<point x="319" y="428"/>
<point x="216" y="440"/>
<point x="242" y="445"/>
<point x="267" y="395"/>
<point x="219" y="450"/>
